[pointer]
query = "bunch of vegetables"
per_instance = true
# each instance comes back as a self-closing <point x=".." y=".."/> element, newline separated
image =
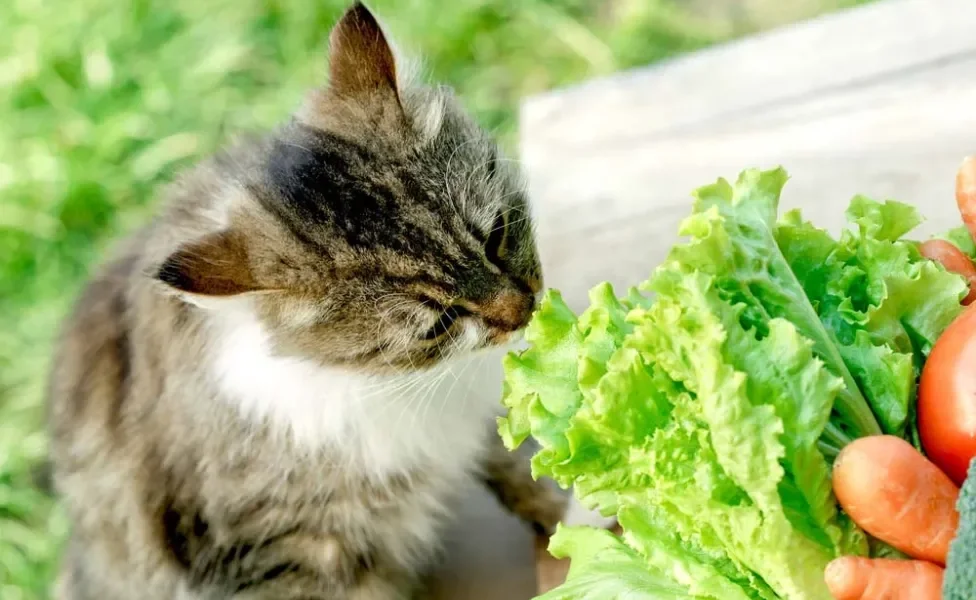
<point x="704" y="408"/>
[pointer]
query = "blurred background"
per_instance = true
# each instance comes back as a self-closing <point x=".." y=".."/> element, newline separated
<point x="101" y="101"/>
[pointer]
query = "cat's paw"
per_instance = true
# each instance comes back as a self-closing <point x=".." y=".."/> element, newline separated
<point x="575" y="514"/>
<point x="555" y="508"/>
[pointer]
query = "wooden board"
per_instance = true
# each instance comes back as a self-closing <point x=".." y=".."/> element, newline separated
<point x="879" y="100"/>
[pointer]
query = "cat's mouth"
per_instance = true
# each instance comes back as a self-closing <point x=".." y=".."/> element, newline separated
<point x="510" y="336"/>
<point x="504" y="338"/>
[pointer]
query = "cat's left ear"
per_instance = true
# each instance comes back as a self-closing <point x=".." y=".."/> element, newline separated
<point x="210" y="269"/>
<point x="361" y="62"/>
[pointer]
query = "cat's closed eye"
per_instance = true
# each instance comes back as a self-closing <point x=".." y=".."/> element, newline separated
<point x="449" y="315"/>
<point x="495" y="245"/>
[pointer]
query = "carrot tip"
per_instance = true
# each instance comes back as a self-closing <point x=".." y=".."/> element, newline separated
<point x="839" y="575"/>
<point x="967" y="173"/>
<point x="837" y="569"/>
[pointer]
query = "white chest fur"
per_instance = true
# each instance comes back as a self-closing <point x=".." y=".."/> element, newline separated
<point x="382" y="425"/>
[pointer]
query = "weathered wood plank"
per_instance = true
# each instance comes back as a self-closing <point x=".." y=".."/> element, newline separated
<point x="880" y="100"/>
<point x="846" y="49"/>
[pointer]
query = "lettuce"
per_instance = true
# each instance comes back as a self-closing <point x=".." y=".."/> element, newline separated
<point x="962" y="239"/>
<point x="704" y="407"/>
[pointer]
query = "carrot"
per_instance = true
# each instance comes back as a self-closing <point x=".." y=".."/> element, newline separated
<point x="966" y="193"/>
<point x="954" y="261"/>
<point x="898" y="496"/>
<point x="856" y="578"/>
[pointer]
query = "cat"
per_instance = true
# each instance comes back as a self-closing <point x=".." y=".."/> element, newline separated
<point x="280" y="385"/>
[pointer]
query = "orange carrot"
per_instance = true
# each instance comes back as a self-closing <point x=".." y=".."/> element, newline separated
<point x="898" y="496"/>
<point x="966" y="193"/>
<point x="856" y="578"/>
<point x="954" y="261"/>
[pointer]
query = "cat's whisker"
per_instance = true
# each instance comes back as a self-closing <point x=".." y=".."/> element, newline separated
<point x="450" y="159"/>
<point x="382" y="349"/>
<point x="468" y="181"/>
<point x="444" y="397"/>
<point x="447" y="172"/>
<point x="404" y="300"/>
<point x="380" y="299"/>
<point x="416" y="397"/>
<point x="386" y="388"/>
<point x="517" y="191"/>
<point x="409" y="381"/>
<point x="387" y="315"/>
<point x="518" y="221"/>
<point x="449" y="395"/>
<point x="395" y="394"/>
<point x="437" y="342"/>
<point x="428" y="397"/>
<point x="457" y="378"/>
<point x="294" y="144"/>
<point x="403" y="399"/>
<point x="466" y="400"/>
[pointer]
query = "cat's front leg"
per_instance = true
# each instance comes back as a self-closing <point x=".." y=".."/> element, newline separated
<point x="540" y="503"/>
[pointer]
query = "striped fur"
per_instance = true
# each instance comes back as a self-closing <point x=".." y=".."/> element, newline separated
<point x="279" y="387"/>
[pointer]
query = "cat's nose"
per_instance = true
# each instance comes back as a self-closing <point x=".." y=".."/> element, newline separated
<point x="508" y="310"/>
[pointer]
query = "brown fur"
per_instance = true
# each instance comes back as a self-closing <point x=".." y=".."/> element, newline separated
<point x="366" y="236"/>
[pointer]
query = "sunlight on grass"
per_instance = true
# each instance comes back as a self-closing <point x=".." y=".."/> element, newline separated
<point x="103" y="100"/>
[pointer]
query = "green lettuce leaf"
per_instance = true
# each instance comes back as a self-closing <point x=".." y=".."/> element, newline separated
<point x="962" y="239"/>
<point x="541" y="390"/>
<point x="733" y="239"/>
<point x="703" y="409"/>
<point x="697" y="561"/>
<point x="884" y="303"/>
<point x="604" y="568"/>
<point x="699" y="339"/>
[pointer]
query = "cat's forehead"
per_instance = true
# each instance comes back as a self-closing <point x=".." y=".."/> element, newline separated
<point x="428" y="187"/>
<point x="439" y="160"/>
<point x="457" y="136"/>
<point x="478" y="173"/>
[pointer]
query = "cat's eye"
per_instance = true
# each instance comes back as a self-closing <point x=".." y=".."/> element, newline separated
<point x="495" y="245"/>
<point x="448" y="318"/>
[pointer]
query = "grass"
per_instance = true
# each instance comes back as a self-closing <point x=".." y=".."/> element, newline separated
<point x="101" y="101"/>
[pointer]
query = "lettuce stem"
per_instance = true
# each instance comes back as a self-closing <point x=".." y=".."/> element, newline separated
<point x="829" y="451"/>
<point x="835" y="436"/>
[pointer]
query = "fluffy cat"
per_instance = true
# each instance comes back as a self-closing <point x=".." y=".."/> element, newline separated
<point x="277" y="388"/>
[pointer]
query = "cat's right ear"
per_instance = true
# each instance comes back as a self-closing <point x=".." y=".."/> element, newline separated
<point x="363" y="81"/>
<point x="208" y="270"/>
<point x="361" y="62"/>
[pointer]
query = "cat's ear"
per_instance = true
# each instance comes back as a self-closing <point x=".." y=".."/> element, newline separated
<point x="361" y="62"/>
<point x="209" y="269"/>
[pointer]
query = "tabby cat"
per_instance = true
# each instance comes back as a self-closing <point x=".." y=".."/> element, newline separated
<point x="279" y="387"/>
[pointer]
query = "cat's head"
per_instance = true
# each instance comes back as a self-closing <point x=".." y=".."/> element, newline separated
<point x="384" y="230"/>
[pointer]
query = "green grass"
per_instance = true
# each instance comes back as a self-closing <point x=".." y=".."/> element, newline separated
<point x="101" y="101"/>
